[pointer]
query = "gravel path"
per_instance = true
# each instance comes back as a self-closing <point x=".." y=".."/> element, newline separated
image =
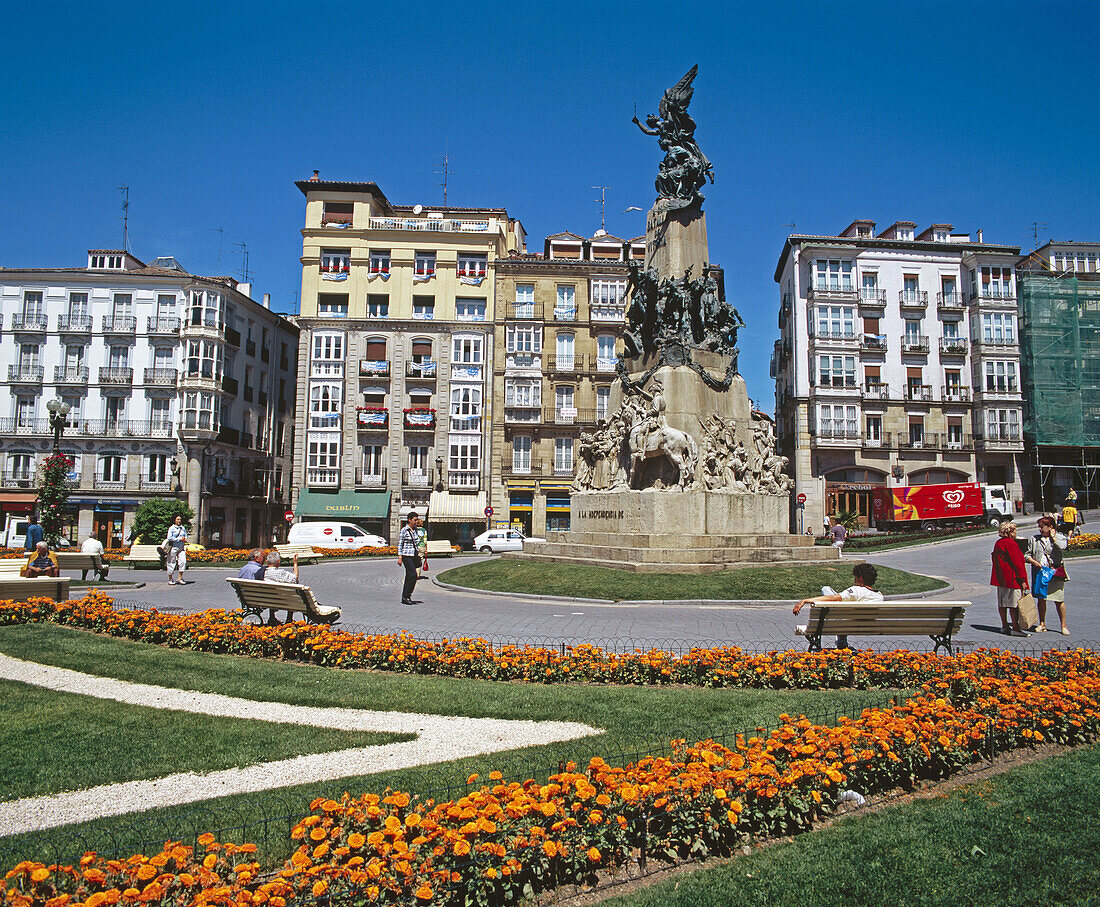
<point x="439" y="739"/>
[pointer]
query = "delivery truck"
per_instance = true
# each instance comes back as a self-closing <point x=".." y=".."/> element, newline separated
<point x="940" y="506"/>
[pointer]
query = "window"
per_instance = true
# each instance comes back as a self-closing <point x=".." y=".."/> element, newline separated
<point x="21" y="467"/>
<point x="521" y="453"/>
<point x="335" y="261"/>
<point x="75" y="406"/>
<point x="332" y="305"/>
<point x="202" y="359"/>
<point x="469" y="309"/>
<point x="914" y="383"/>
<point x="370" y="463"/>
<point x="166" y="306"/>
<point x="950" y="330"/>
<point x="160" y="412"/>
<point x="869" y="281"/>
<point x="833" y="275"/>
<point x="323" y="452"/>
<point x="424" y="264"/>
<point x="465" y="458"/>
<point x="421" y="351"/>
<point x="939" y="236"/>
<point x="607" y="292"/>
<point x="565" y="357"/>
<point x="328" y="355"/>
<point x="418" y="460"/>
<point x="525" y="300"/>
<point x="78" y="305"/>
<point x="1000" y="376"/>
<point x="605" y="353"/>
<point x="32" y="307"/>
<point x="201" y="411"/>
<point x="110" y="468"/>
<point x="954" y="431"/>
<point x="24" y="412"/>
<point x="338" y="213"/>
<point x="603" y="402"/>
<point x="834" y="321"/>
<point x="563" y="456"/>
<point x="465" y="408"/>
<point x="910" y="292"/>
<point x="424" y="307"/>
<point x="122" y="306"/>
<point x="378" y="305"/>
<point x="565" y="303"/>
<point x="523" y="338"/>
<point x="466" y="350"/>
<point x="998" y="328"/>
<point x="471" y="264"/>
<point x="874" y="429"/>
<point x="916" y="431"/>
<point x="119" y="357"/>
<point x="912" y="331"/>
<point x="325" y="405"/>
<point x="952" y="382"/>
<point x="522" y="392"/>
<point x="997" y="283"/>
<point x="838" y="421"/>
<point x="206" y="308"/>
<point x="872" y="376"/>
<point x="563" y="402"/>
<point x="837" y="371"/>
<point x="156" y="468"/>
<point x="950" y="290"/>
<point x="28" y="357"/>
<point x="1003" y="424"/>
<point x="379" y="261"/>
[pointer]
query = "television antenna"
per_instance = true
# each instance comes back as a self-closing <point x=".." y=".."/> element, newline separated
<point x="445" y="173"/>
<point x="125" y="190"/>
<point x="221" y="236"/>
<point x="246" y="275"/>
<point x="603" y="205"/>
<point x="1036" y="229"/>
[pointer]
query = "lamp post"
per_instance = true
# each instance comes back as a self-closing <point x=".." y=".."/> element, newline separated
<point x="59" y="410"/>
<point x="439" y="473"/>
<point x="174" y="465"/>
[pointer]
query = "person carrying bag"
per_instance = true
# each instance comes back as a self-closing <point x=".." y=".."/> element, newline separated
<point x="1048" y="570"/>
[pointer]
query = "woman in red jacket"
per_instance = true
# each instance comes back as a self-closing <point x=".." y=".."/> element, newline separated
<point x="1010" y="578"/>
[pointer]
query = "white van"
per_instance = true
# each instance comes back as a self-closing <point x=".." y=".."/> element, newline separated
<point x="15" y="533"/>
<point x="333" y="535"/>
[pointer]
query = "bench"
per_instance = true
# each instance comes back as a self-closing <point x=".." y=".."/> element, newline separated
<point x="10" y="567"/>
<point x="306" y="554"/>
<point x="20" y="588"/>
<point x="257" y="596"/>
<point x="85" y="563"/>
<point x="939" y="621"/>
<point x="144" y="555"/>
<point x="439" y="548"/>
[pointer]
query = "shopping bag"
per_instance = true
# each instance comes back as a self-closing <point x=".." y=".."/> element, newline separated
<point x="1029" y="611"/>
<point x="1043" y="576"/>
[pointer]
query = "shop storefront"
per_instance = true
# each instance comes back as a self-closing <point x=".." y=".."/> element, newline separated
<point x="369" y="510"/>
<point x="849" y="491"/>
<point x="520" y="505"/>
<point x="458" y="518"/>
<point x="557" y="509"/>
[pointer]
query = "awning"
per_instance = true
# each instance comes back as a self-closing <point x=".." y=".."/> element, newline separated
<point x="347" y="505"/>
<point x="421" y="511"/>
<point x="458" y="508"/>
<point x="19" y="497"/>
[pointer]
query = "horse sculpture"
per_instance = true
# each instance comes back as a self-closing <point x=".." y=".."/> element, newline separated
<point x="663" y="441"/>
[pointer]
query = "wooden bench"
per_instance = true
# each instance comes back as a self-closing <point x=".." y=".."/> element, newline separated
<point x="939" y="621"/>
<point x="20" y="588"/>
<point x="10" y="567"/>
<point x="257" y="596"/>
<point x="85" y="563"/>
<point x="145" y="556"/>
<point x="306" y="554"/>
<point x="439" y="548"/>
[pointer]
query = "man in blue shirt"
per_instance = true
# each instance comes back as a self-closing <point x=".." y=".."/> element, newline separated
<point x="34" y="535"/>
<point x="254" y="569"/>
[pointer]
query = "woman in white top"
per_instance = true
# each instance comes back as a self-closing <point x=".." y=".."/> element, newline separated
<point x="1041" y="552"/>
<point x="175" y="543"/>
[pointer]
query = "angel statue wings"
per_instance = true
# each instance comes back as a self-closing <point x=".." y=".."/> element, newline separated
<point x="685" y="169"/>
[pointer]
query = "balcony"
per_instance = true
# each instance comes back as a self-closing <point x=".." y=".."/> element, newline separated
<point x="523" y="415"/>
<point x="832" y="338"/>
<point x="425" y="369"/>
<point x="569" y="417"/>
<point x="957" y="442"/>
<point x="374" y="419"/>
<point x="784" y="310"/>
<point x="872" y="298"/>
<point x="435" y="225"/>
<point x="914" y="343"/>
<point x="838" y="385"/>
<point x="996" y="346"/>
<point x="25" y="374"/>
<point x="22" y="426"/>
<point x="250" y="347"/>
<point x="167" y="327"/>
<point x="233" y="338"/>
<point x="1002" y="388"/>
<point x="995" y="296"/>
<point x="520" y="466"/>
<point x="160" y="377"/>
<point x="572" y="363"/>
<point x="876" y="391"/>
<point x="102" y="484"/>
<point x="229" y="435"/>
<point x="873" y="343"/>
<point x="953" y="346"/>
<point x="76" y="375"/>
<point x="1001" y="439"/>
<point x="565" y="312"/>
<point x="161" y="485"/>
<point x="840" y="435"/>
<point x="604" y="366"/>
<point x="337" y="219"/>
<point x="374" y="368"/>
<point x="954" y="393"/>
<point x="918" y="393"/>
<point x="928" y="440"/>
<point x="418" y="419"/>
<point x="880" y="441"/>
<point x="119" y="324"/>
<point x="119" y="377"/>
<point x="607" y="313"/>
<point x="950" y="302"/>
<point x="230" y="386"/>
<point x="417" y="478"/>
<point x="29" y="324"/>
<point x="323" y="478"/>
<point x="463" y="480"/>
<point x="74" y="324"/>
<point x="833" y="291"/>
<point x="913" y="299"/>
<point x="370" y="478"/>
<point x="19" y="480"/>
<point x="120" y="428"/>
<point x="209" y="328"/>
<point x="523" y="311"/>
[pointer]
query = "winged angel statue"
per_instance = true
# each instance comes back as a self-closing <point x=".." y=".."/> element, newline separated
<point x="685" y="169"/>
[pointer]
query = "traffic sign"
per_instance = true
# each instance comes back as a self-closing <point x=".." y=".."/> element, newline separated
<point x="801" y="498"/>
<point x="488" y="511"/>
<point x="289" y="516"/>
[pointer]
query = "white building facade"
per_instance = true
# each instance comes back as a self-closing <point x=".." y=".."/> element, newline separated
<point x="898" y="364"/>
<point x="151" y="362"/>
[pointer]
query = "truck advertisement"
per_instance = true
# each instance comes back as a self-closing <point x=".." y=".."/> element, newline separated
<point x="960" y="501"/>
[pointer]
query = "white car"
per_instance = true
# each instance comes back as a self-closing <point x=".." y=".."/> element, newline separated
<point x="496" y="540"/>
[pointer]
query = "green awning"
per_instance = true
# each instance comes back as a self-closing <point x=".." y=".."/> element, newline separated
<point x="344" y="505"/>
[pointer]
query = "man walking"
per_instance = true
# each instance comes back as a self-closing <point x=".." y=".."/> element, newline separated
<point x="408" y="555"/>
<point x="34" y="535"/>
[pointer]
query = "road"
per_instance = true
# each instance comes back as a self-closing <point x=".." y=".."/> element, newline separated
<point x="368" y="591"/>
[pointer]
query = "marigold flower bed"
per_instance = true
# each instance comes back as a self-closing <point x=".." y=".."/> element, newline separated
<point x="501" y="841"/>
<point x="220" y="555"/>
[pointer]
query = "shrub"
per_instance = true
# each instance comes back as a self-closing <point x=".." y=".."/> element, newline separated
<point x="152" y="519"/>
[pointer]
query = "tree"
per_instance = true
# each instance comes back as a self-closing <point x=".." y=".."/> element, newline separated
<point x="52" y="495"/>
<point x="152" y="519"/>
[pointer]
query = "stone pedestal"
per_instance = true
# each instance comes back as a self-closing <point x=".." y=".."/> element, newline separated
<point x="676" y="240"/>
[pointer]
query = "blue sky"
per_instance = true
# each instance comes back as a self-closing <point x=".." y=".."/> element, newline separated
<point x="975" y="114"/>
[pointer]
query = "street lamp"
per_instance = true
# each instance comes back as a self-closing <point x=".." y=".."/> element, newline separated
<point x="174" y="465"/>
<point x="439" y="473"/>
<point x="58" y="411"/>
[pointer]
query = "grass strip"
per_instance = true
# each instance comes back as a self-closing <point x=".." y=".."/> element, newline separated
<point x="772" y="582"/>
<point x="1029" y="836"/>
<point x="57" y="741"/>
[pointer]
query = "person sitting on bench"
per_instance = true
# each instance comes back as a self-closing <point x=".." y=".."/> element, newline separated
<point x="41" y="563"/>
<point x="94" y="546"/>
<point x="865" y="576"/>
<point x="273" y="573"/>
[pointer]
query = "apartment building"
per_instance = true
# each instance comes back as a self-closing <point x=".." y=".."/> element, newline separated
<point x="165" y="397"/>
<point x="898" y="363"/>
<point x="559" y="319"/>
<point x="395" y="358"/>
<point x="1059" y="307"/>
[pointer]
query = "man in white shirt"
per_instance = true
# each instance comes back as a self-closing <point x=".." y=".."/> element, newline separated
<point x="92" y="545"/>
<point x="273" y="573"/>
<point x="865" y="576"/>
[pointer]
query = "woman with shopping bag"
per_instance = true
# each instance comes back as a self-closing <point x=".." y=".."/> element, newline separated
<point x="1010" y="577"/>
<point x="1048" y="571"/>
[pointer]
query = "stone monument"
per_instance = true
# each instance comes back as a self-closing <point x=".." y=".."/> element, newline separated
<point x="683" y="475"/>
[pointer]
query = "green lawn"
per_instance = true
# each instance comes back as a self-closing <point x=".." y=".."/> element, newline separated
<point x="1027" y="837"/>
<point x="635" y="719"/>
<point x="773" y="582"/>
<point x="63" y="741"/>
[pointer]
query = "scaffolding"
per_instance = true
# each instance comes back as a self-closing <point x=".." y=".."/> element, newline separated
<point x="1060" y="363"/>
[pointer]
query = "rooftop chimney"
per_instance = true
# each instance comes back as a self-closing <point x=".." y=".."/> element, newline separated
<point x="979" y="234"/>
<point x="316" y="176"/>
<point x="267" y="300"/>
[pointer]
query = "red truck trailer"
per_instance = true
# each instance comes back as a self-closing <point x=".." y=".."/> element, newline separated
<point x="932" y="506"/>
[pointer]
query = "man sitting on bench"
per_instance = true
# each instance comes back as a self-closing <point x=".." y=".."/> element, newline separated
<point x="273" y="573"/>
<point x="41" y="563"/>
<point x="94" y="546"/>
<point x="865" y="576"/>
